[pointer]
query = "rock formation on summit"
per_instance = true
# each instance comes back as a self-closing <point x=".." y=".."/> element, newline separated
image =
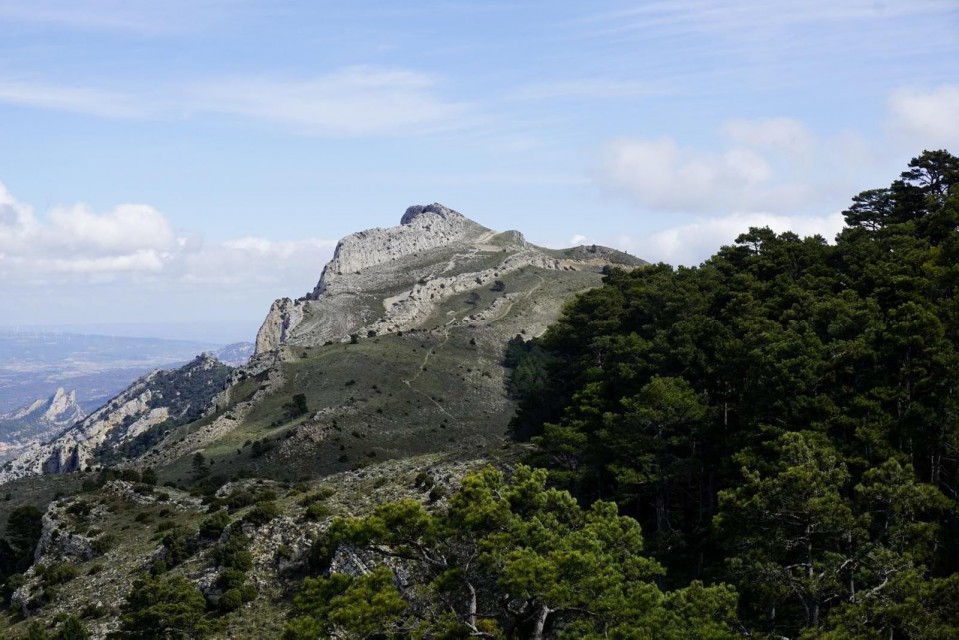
<point x="389" y="280"/>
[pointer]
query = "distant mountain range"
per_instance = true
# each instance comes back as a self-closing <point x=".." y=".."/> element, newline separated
<point x="34" y="364"/>
<point x="37" y="368"/>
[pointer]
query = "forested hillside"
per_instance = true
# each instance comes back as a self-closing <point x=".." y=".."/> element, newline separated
<point x="783" y="418"/>
<point x="765" y="446"/>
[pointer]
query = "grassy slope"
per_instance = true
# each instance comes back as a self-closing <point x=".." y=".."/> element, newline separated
<point x="439" y="388"/>
<point x="374" y="407"/>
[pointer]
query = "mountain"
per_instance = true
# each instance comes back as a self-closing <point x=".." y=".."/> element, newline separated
<point x="39" y="421"/>
<point x="397" y="351"/>
<point x="389" y="280"/>
<point x="236" y="354"/>
<point x="388" y="380"/>
<point x="34" y="363"/>
<point x="161" y="398"/>
<point x="696" y="424"/>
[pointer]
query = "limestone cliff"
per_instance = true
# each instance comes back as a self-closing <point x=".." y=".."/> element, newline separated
<point x="389" y="280"/>
<point x="147" y="403"/>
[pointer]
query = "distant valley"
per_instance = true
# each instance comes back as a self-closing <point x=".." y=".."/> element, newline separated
<point x="35" y="364"/>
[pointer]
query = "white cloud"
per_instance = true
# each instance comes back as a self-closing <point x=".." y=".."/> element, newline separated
<point x="689" y="244"/>
<point x="577" y="240"/>
<point x="137" y="243"/>
<point x="783" y="134"/>
<point x="352" y="101"/>
<point x="693" y="242"/>
<point x="659" y="174"/>
<point x="86" y="100"/>
<point x="926" y="118"/>
<point x="125" y="229"/>
<point x="766" y="164"/>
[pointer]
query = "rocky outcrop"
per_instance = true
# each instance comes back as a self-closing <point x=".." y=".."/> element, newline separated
<point x="74" y="449"/>
<point x="388" y="280"/>
<point x="38" y="422"/>
<point x="148" y="402"/>
<point x="422" y="228"/>
<point x="284" y="315"/>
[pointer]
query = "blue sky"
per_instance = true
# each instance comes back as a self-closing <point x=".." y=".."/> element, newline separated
<point x="193" y="160"/>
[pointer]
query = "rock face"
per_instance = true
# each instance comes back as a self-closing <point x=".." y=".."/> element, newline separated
<point x="388" y="280"/>
<point x="146" y="403"/>
<point x="37" y="422"/>
<point x="284" y="314"/>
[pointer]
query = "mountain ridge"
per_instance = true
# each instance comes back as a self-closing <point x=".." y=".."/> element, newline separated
<point x="461" y="255"/>
<point x="38" y="421"/>
<point x="437" y="284"/>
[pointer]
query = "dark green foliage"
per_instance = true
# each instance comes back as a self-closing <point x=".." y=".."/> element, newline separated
<point x="36" y="632"/>
<point x="505" y="558"/>
<point x="528" y="363"/>
<point x="149" y="477"/>
<point x="200" y="470"/>
<point x="213" y="527"/>
<point x="231" y="600"/>
<point x="262" y="447"/>
<point x="54" y="574"/>
<point x="159" y="608"/>
<point x="233" y="554"/>
<point x="231" y="579"/>
<point x="784" y="416"/>
<point x="103" y="543"/>
<point x="71" y="629"/>
<point x="178" y="545"/>
<point x="24" y="525"/>
<point x="317" y="511"/>
<point x="296" y="407"/>
<point x="262" y="512"/>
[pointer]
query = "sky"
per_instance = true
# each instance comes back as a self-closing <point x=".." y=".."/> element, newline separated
<point x="189" y="161"/>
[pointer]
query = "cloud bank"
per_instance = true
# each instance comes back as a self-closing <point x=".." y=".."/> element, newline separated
<point x="134" y="244"/>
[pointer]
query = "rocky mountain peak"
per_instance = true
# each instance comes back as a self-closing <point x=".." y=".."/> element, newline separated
<point x="393" y="279"/>
<point x="436" y="208"/>
<point x="40" y="420"/>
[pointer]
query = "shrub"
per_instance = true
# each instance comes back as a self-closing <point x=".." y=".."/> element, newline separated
<point x="164" y="607"/>
<point x="103" y="544"/>
<point x="317" y="511"/>
<point x="248" y="591"/>
<point x="262" y="513"/>
<point x="36" y="632"/>
<point x="178" y="546"/>
<point x="231" y="600"/>
<point x="231" y="579"/>
<point x="233" y="554"/>
<point x="54" y="574"/>
<point x="80" y="509"/>
<point x="149" y="476"/>
<point x="72" y="629"/>
<point x="212" y="528"/>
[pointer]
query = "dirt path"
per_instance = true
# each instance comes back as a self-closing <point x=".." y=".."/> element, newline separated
<point x="509" y="307"/>
<point x="446" y="337"/>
